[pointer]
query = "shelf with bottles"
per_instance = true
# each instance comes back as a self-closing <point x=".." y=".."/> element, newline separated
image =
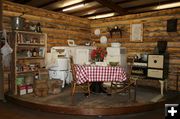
<point x="30" y="53"/>
<point x="30" y="38"/>
<point x="24" y="66"/>
<point x="28" y="56"/>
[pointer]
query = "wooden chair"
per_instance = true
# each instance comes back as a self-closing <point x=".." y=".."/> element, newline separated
<point x="78" y="88"/>
<point x="126" y="86"/>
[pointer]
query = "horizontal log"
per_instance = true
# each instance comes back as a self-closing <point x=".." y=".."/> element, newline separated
<point x="44" y="19"/>
<point x="167" y="12"/>
<point x="42" y="12"/>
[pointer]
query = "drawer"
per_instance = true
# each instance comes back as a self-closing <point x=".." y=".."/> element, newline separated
<point x="155" y="73"/>
<point x="155" y="61"/>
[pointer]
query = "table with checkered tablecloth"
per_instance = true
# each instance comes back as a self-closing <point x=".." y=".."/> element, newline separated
<point x="99" y="73"/>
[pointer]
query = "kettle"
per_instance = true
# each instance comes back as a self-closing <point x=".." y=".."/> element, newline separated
<point x="17" y="22"/>
<point x="144" y="57"/>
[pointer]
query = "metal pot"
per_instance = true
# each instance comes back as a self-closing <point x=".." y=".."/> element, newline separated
<point x="144" y="57"/>
<point x="17" y="23"/>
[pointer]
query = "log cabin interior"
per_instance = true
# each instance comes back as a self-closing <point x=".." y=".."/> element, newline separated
<point x="46" y="45"/>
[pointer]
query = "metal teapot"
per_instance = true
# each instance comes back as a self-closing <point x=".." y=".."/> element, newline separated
<point x="144" y="57"/>
<point x="17" y="22"/>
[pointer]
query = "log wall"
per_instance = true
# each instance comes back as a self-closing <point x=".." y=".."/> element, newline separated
<point x="61" y="27"/>
<point x="154" y="29"/>
<point x="58" y="26"/>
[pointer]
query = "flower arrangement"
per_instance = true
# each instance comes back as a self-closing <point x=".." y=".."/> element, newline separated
<point x="98" y="54"/>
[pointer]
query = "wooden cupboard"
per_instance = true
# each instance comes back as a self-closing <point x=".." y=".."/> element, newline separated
<point x="28" y="57"/>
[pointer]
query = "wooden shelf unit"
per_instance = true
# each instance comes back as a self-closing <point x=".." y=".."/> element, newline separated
<point x="22" y="43"/>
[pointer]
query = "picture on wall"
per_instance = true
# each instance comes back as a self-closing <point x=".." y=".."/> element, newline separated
<point x="136" y="33"/>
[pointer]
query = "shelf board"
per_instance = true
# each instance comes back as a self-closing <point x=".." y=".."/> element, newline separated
<point x="29" y="58"/>
<point x="29" y="32"/>
<point x="29" y="44"/>
<point x="24" y="72"/>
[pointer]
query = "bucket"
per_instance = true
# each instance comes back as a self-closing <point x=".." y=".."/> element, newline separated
<point x="17" y="23"/>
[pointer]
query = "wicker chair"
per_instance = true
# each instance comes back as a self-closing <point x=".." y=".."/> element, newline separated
<point x="125" y="86"/>
<point x="78" y="88"/>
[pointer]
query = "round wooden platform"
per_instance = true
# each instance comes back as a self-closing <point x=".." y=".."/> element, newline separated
<point x="95" y="104"/>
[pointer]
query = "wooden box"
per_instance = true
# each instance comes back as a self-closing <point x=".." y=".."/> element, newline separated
<point x="41" y="88"/>
<point x="55" y="86"/>
<point x="41" y="92"/>
<point x="22" y="89"/>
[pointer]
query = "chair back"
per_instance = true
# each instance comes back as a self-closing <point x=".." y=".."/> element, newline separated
<point x="130" y="62"/>
<point x="73" y="69"/>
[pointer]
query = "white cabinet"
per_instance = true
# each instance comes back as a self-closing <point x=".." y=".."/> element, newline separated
<point x="117" y="54"/>
<point x="80" y="54"/>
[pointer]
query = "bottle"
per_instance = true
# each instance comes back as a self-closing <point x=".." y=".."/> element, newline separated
<point x="34" y="53"/>
<point x="29" y="53"/>
<point x="36" y="77"/>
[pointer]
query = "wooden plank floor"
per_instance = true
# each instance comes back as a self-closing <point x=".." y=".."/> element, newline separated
<point x="95" y="104"/>
<point x="12" y="111"/>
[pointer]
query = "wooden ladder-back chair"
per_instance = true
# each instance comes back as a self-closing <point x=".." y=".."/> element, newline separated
<point x="126" y="86"/>
<point x="78" y="88"/>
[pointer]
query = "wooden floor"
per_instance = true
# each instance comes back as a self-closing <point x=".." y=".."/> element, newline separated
<point x="12" y="111"/>
<point x="96" y="104"/>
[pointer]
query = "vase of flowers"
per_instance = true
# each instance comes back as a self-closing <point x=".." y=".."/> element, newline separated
<point x="98" y="54"/>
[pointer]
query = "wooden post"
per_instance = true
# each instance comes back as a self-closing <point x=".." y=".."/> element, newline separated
<point x="1" y="66"/>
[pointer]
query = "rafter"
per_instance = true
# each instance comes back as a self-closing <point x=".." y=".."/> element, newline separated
<point x="113" y="6"/>
<point x="96" y="14"/>
<point x="48" y="3"/>
<point x="84" y="2"/>
<point x="86" y="10"/>
<point x="152" y="4"/>
<point x="21" y="1"/>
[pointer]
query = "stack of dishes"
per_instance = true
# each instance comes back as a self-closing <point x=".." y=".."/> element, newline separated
<point x="115" y="44"/>
<point x="103" y="40"/>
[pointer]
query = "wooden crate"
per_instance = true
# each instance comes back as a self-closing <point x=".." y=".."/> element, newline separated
<point x="41" y="92"/>
<point x="40" y="88"/>
<point x="55" y="86"/>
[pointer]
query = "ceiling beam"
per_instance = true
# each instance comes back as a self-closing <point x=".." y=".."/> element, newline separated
<point x="86" y="10"/>
<point x="113" y="6"/>
<point x="21" y="1"/>
<point x="83" y="2"/>
<point x="96" y="14"/>
<point x="152" y="4"/>
<point x="48" y="3"/>
<point x="135" y="8"/>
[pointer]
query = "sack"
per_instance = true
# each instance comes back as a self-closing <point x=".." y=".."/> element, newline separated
<point x="6" y="51"/>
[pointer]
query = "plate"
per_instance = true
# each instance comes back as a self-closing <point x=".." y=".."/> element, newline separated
<point x="103" y="39"/>
<point x="97" y="32"/>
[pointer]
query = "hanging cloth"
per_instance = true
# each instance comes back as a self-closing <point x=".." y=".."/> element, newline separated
<point x="6" y="51"/>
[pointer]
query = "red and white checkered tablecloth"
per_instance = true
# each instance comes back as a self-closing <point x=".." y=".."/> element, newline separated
<point x="99" y="73"/>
